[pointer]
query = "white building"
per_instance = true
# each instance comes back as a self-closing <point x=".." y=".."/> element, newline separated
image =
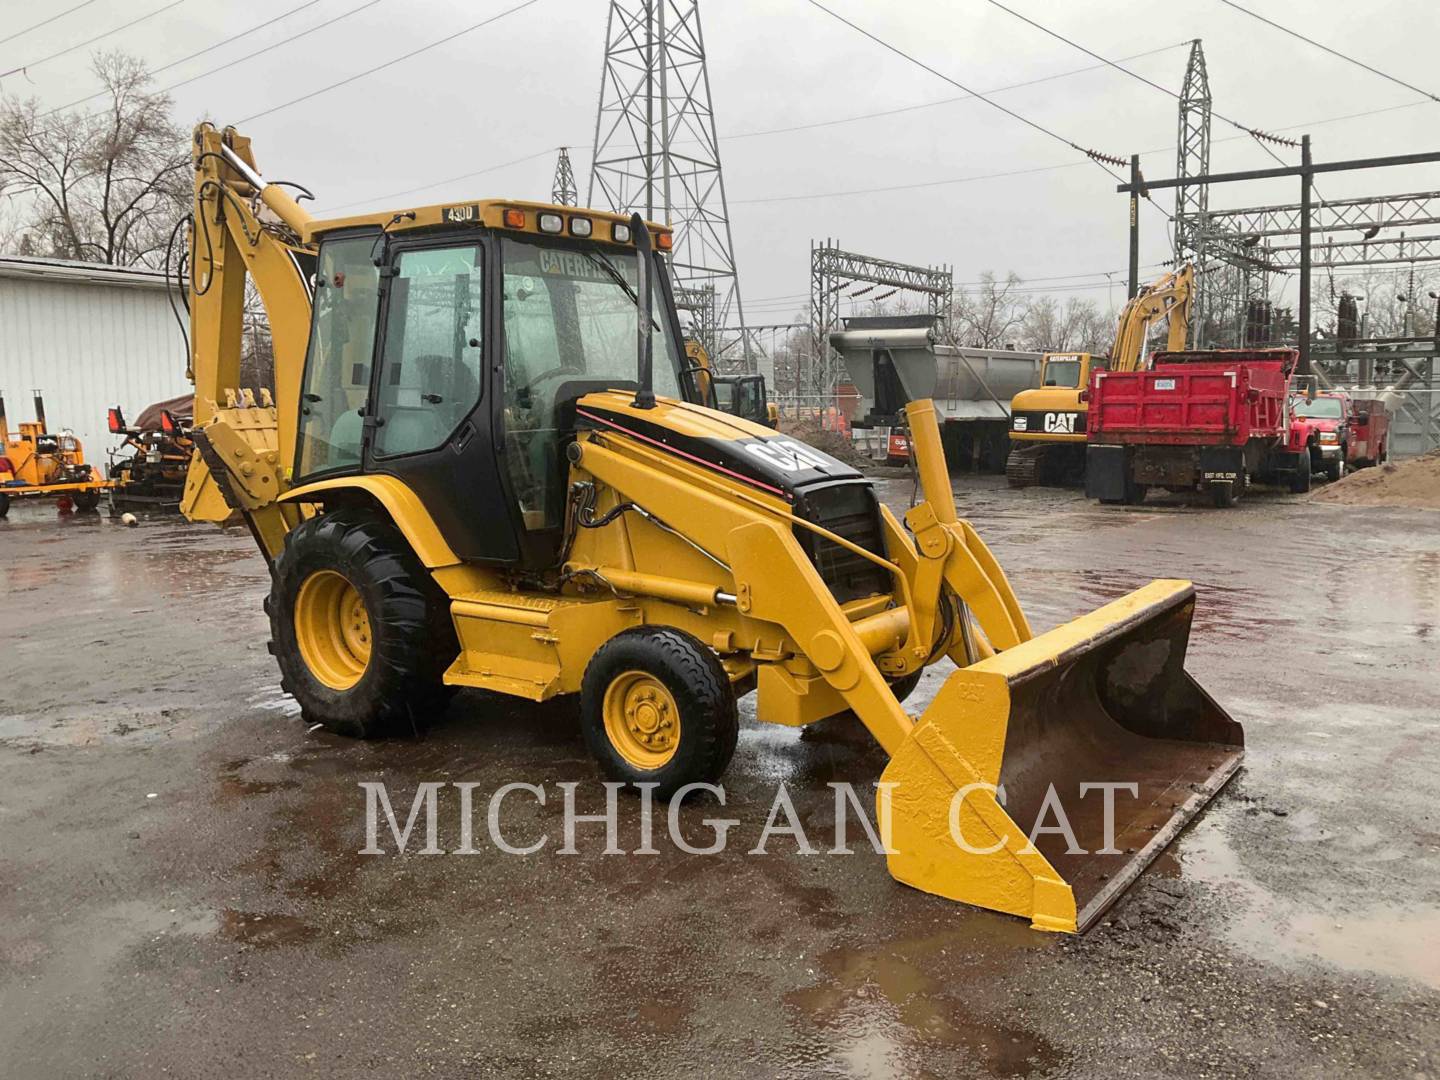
<point x="87" y="336"/>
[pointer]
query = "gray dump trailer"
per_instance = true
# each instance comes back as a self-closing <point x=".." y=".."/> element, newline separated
<point x="893" y="359"/>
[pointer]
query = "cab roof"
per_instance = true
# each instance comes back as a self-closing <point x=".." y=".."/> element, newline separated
<point x="488" y="213"/>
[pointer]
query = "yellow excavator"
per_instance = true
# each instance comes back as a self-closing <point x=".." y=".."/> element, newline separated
<point x="1047" y="423"/>
<point x="485" y="464"/>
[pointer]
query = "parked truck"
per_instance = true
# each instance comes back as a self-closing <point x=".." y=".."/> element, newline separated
<point x="1352" y="432"/>
<point x="895" y="359"/>
<point x="1212" y="421"/>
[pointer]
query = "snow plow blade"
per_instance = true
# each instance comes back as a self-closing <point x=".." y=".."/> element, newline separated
<point x="1030" y="735"/>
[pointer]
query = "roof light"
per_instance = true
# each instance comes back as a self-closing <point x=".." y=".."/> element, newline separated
<point x="663" y="241"/>
<point x="620" y="233"/>
<point x="551" y="223"/>
<point x="514" y="219"/>
<point x="580" y="226"/>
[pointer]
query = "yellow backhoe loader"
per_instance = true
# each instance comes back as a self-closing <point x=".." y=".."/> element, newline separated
<point x="1047" y="423"/>
<point x="484" y="465"/>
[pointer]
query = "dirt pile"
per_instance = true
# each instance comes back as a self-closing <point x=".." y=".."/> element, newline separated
<point x="1413" y="482"/>
<point x="829" y="442"/>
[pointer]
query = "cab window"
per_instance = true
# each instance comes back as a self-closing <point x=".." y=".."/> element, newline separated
<point x="569" y="319"/>
<point x="337" y="361"/>
<point x="1063" y="372"/>
<point x="429" y="377"/>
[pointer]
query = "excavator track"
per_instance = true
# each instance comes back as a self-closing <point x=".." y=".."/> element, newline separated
<point x="1022" y="467"/>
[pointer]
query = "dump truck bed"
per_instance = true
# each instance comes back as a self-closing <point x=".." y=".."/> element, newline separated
<point x="1218" y="398"/>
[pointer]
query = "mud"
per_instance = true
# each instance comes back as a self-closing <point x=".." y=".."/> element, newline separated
<point x="181" y="889"/>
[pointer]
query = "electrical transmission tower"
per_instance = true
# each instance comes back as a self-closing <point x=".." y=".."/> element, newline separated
<point x="562" y="191"/>
<point x="1232" y="274"/>
<point x="656" y="152"/>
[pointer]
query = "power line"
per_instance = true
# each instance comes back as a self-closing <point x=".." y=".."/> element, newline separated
<point x="1258" y="134"/>
<point x="1332" y="52"/>
<point x="212" y="48"/>
<point x="46" y="22"/>
<point x="1093" y="155"/>
<point x="388" y="63"/>
<point x="440" y="183"/>
<point x="942" y="101"/>
<point x="906" y="187"/>
<point x="91" y="41"/>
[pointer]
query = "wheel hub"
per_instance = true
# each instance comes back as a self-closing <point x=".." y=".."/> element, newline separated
<point x="332" y="629"/>
<point x="642" y="719"/>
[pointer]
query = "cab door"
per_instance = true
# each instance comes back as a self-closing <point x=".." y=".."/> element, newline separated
<point x="428" y="422"/>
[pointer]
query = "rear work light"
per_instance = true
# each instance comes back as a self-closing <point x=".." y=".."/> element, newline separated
<point x="167" y="422"/>
<point x="620" y="233"/>
<point x="550" y="223"/>
<point x="117" y="421"/>
<point x="514" y="219"/>
<point x="580" y="226"/>
<point x="664" y="240"/>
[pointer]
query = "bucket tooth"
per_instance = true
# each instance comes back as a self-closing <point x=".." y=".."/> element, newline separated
<point x="1033" y="736"/>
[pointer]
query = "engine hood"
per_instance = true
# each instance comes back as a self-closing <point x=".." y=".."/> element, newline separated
<point x="771" y="462"/>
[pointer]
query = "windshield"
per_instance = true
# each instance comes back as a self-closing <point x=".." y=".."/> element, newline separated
<point x="570" y="328"/>
<point x="1322" y="408"/>
<point x="570" y="314"/>
<point x="1062" y="371"/>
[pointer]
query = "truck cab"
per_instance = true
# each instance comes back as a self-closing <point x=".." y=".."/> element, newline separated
<point x="1047" y="423"/>
<point x="1350" y="432"/>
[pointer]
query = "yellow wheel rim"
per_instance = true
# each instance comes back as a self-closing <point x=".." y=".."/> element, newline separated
<point x="642" y="720"/>
<point x="332" y="629"/>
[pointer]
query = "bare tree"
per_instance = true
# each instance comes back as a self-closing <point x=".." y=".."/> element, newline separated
<point x="990" y="317"/>
<point x="104" y="185"/>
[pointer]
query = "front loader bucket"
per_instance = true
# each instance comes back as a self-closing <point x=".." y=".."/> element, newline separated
<point x="1021" y="741"/>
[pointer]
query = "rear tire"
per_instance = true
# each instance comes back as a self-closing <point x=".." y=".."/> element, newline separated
<point x="1224" y="494"/>
<point x="1334" y="470"/>
<point x="4" y="504"/>
<point x="656" y="707"/>
<point x="86" y="500"/>
<point x="366" y="654"/>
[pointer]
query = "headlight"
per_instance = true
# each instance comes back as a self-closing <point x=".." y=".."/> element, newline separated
<point x="1329" y="436"/>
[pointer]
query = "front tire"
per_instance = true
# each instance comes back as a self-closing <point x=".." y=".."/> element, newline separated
<point x="360" y="630"/>
<point x="1300" y="478"/>
<point x="1334" y="470"/>
<point x="656" y="707"/>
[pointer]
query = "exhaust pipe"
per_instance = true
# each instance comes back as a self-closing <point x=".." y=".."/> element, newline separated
<point x="40" y="412"/>
<point x="644" y="339"/>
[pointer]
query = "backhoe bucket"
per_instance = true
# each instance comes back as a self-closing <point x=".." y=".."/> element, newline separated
<point x="1092" y="739"/>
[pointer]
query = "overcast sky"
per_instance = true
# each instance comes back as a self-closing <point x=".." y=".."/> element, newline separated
<point x="530" y="83"/>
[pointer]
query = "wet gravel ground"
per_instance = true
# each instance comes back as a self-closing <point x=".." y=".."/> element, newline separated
<point x="181" y="889"/>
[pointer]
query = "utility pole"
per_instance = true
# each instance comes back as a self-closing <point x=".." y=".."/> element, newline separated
<point x="1134" y="225"/>
<point x="1307" y="183"/>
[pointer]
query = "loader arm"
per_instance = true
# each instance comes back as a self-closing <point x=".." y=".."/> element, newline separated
<point x="244" y="446"/>
<point x="1169" y="297"/>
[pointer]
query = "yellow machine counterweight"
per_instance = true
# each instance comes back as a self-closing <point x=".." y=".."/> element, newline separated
<point x="488" y="463"/>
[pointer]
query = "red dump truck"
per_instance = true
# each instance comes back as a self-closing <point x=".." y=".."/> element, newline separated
<point x="1212" y="421"/>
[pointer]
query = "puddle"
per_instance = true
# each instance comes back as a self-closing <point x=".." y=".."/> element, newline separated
<point x="262" y="930"/>
<point x="1389" y="941"/>
<point x="880" y="1014"/>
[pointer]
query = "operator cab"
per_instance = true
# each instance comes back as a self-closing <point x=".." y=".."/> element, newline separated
<point x="1070" y="371"/>
<point x="452" y="358"/>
